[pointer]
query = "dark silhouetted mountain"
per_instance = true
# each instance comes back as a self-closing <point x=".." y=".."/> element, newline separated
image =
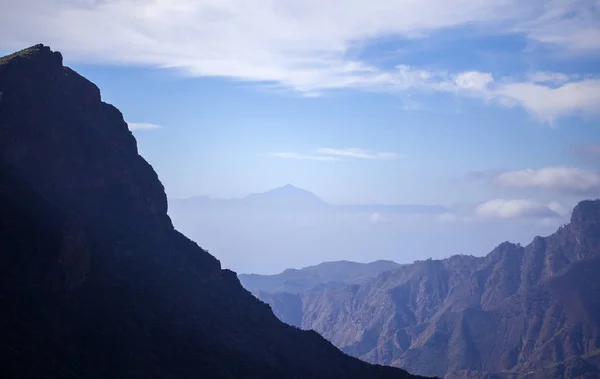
<point x="94" y="280"/>
<point x="519" y="312"/>
<point x="325" y="274"/>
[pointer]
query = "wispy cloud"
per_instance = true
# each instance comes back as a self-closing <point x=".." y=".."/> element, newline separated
<point x="294" y="45"/>
<point x="564" y="179"/>
<point x="504" y="209"/>
<point x="547" y="103"/>
<point x="571" y="25"/>
<point x="288" y="155"/>
<point x="356" y="153"/>
<point x="555" y="78"/>
<point x="517" y="208"/>
<point x="329" y="154"/>
<point x="142" y="126"/>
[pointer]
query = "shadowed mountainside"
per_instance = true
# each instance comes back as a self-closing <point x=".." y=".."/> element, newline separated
<point x="519" y="312"/>
<point x="94" y="280"/>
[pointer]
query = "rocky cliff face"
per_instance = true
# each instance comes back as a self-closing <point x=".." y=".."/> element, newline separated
<point x="94" y="280"/>
<point x="531" y="310"/>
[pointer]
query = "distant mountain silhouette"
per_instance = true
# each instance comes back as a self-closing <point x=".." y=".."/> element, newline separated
<point x="289" y="197"/>
<point x="519" y="312"/>
<point x="94" y="280"/>
<point x="286" y="196"/>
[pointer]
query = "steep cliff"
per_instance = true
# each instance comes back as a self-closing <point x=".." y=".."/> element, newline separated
<point x="94" y="280"/>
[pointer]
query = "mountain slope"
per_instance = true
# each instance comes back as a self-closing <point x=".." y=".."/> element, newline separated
<point x="94" y="280"/>
<point x="518" y="309"/>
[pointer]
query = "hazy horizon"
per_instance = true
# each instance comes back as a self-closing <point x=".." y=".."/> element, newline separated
<point x="255" y="237"/>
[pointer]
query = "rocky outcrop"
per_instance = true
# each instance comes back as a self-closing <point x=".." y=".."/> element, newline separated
<point x="94" y="280"/>
<point x="530" y="311"/>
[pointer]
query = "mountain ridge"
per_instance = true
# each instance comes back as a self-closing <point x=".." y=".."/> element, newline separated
<point x="304" y="197"/>
<point x="490" y="314"/>
<point x="95" y="282"/>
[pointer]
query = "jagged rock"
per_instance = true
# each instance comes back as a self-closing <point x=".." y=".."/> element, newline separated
<point x="526" y="312"/>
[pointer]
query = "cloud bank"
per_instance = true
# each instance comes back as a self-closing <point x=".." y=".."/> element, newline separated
<point x="569" y="180"/>
<point x="295" y="44"/>
<point x="565" y="180"/>
<point x="505" y="209"/>
<point x="519" y="208"/>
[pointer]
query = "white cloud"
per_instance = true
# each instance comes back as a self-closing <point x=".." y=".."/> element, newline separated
<point x="569" y="24"/>
<point x="329" y="154"/>
<point x="546" y="77"/>
<point x="473" y="80"/>
<point x="288" y="155"/>
<point x="519" y="208"/>
<point x="356" y="153"/>
<point x="505" y="209"/>
<point x="142" y="126"/>
<point x="559" y="178"/>
<point x="548" y="103"/>
<point x="545" y="95"/>
<point x="310" y="46"/>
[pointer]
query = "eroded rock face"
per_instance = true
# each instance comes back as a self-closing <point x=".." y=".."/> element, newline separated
<point x="94" y="280"/>
<point x="531" y="310"/>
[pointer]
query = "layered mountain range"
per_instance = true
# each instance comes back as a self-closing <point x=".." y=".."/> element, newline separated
<point x="288" y="226"/>
<point x="290" y="197"/>
<point x="519" y="312"/>
<point x="95" y="282"/>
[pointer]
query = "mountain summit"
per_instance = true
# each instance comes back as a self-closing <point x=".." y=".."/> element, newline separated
<point x="286" y="196"/>
<point x="94" y="280"/>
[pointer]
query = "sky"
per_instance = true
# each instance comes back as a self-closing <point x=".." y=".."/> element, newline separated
<point x="488" y="107"/>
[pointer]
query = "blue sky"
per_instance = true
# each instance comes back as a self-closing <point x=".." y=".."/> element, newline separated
<point x="495" y="104"/>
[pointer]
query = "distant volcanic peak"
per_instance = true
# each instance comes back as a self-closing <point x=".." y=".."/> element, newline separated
<point x="288" y="193"/>
<point x="289" y="189"/>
